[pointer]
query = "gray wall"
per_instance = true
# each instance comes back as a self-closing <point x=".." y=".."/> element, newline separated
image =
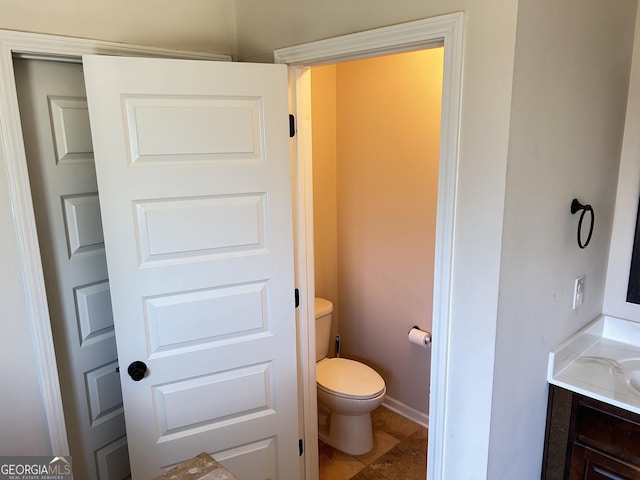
<point x="22" y="423"/>
<point x="569" y="100"/>
<point x="199" y="25"/>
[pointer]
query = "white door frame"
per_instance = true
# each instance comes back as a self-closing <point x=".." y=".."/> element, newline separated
<point x="29" y="45"/>
<point x="447" y="31"/>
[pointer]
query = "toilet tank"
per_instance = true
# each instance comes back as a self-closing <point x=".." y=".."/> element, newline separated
<point x="324" y="308"/>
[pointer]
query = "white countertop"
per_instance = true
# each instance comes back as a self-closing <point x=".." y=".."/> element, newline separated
<point x="601" y="361"/>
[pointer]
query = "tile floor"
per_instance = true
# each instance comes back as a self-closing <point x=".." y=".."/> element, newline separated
<point x="399" y="452"/>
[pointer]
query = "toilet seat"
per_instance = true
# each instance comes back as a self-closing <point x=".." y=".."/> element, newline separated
<point x="348" y="378"/>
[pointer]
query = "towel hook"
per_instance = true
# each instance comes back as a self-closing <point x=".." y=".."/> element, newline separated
<point x="576" y="206"/>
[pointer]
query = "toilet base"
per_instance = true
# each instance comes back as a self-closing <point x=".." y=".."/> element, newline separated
<point x="350" y="434"/>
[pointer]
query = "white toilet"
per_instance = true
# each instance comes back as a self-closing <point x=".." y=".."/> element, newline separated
<point x="347" y="392"/>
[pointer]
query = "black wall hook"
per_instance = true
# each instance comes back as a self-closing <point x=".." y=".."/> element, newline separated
<point x="576" y="206"/>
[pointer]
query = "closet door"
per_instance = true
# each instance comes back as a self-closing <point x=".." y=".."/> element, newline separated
<point x="55" y="124"/>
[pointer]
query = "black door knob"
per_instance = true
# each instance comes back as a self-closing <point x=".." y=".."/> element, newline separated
<point x="137" y="370"/>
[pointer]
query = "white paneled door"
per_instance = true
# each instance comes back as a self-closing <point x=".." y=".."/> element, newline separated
<point x="55" y="122"/>
<point x="192" y="162"/>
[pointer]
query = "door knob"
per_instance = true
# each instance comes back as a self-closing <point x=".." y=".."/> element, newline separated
<point x="137" y="370"/>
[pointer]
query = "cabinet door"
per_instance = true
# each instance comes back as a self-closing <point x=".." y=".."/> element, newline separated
<point x="589" y="464"/>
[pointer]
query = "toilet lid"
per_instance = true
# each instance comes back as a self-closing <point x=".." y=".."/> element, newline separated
<point x="348" y="378"/>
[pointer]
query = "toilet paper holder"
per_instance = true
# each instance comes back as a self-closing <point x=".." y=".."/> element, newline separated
<point x="424" y="336"/>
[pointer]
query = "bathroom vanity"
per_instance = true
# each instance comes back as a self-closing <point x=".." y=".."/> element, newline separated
<point x="593" y="421"/>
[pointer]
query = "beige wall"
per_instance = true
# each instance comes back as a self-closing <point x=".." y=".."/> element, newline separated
<point x="325" y="209"/>
<point x="376" y="126"/>
<point x="199" y="25"/>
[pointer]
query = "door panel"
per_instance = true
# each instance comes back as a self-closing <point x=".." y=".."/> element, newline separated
<point x="164" y="128"/>
<point x="95" y="317"/>
<point x="113" y="459"/>
<point x="71" y="131"/>
<point x="172" y="230"/>
<point x="256" y="460"/>
<point x="83" y="223"/>
<point x="243" y="307"/>
<point x="192" y="161"/>
<point x="59" y="151"/>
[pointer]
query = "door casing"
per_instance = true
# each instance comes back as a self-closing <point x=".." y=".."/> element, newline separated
<point x="447" y="31"/>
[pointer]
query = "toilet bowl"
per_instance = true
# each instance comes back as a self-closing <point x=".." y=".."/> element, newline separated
<point x="347" y="393"/>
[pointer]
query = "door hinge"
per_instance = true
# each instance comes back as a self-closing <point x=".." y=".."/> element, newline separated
<point x="297" y="297"/>
<point x="292" y="126"/>
<point x="300" y="447"/>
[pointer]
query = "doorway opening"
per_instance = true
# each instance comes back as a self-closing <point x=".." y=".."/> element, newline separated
<point x="376" y="139"/>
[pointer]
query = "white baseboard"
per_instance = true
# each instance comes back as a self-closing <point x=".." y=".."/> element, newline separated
<point x="406" y="411"/>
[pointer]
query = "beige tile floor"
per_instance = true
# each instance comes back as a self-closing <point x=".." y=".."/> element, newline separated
<point x="399" y="452"/>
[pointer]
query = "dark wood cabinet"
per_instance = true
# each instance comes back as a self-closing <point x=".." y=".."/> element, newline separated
<point x="589" y="440"/>
<point x="590" y="464"/>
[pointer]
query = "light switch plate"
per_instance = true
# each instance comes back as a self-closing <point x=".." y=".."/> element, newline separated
<point x="578" y="292"/>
